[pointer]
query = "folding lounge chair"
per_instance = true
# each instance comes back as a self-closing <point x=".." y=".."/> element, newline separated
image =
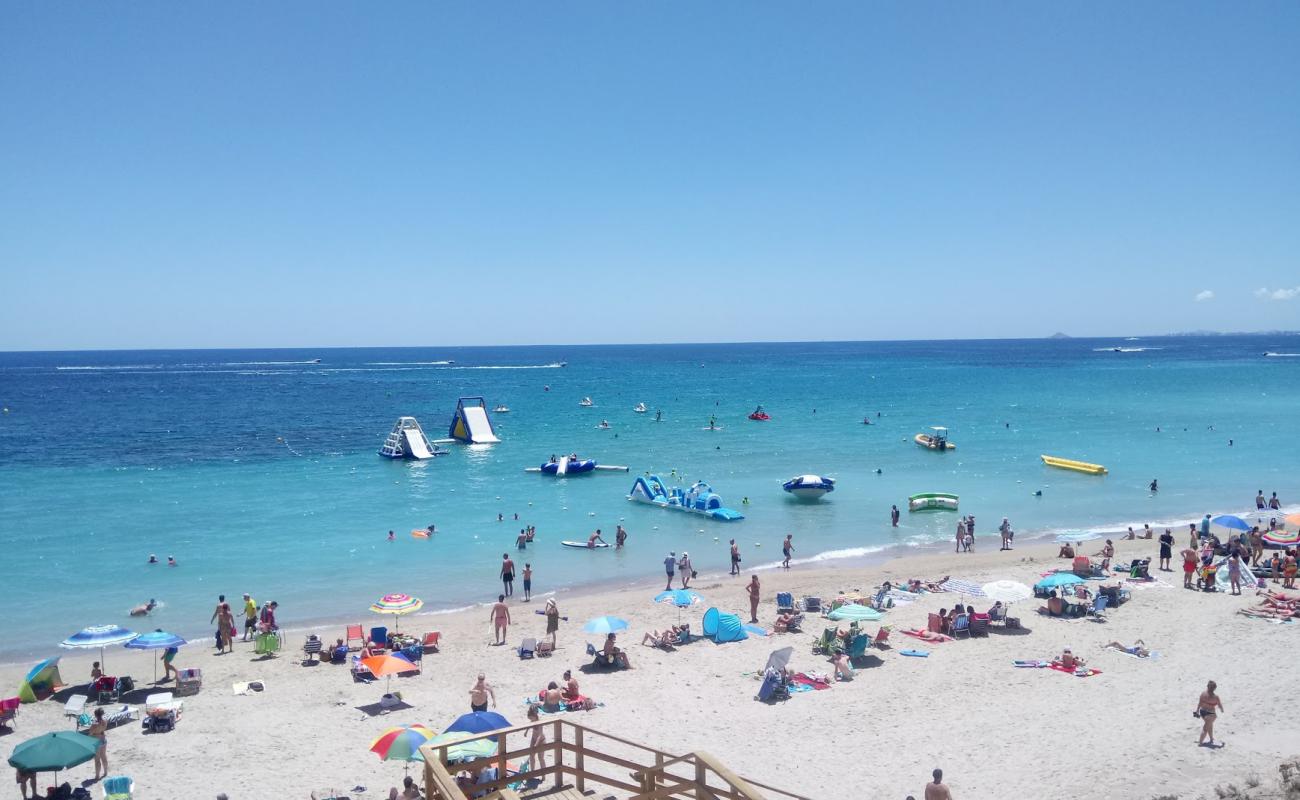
<point x="882" y="638"/>
<point x="528" y="648"/>
<point x="812" y="605"/>
<point x="162" y="711"/>
<point x="189" y="681"/>
<point x="118" y="787"/>
<point x="829" y="642"/>
<point x="431" y="641"/>
<point x="355" y="634"/>
<point x="312" y="647"/>
<point x="105" y="689"/>
<point x="961" y="625"/>
<point x="378" y="640"/>
<point x="979" y="626"/>
<point x="1098" y="609"/>
<point x="9" y="710"/>
<point x="784" y="602"/>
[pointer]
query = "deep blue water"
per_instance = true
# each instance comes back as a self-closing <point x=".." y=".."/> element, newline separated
<point x="258" y="470"/>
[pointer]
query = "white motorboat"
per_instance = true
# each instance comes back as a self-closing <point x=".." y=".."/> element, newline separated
<point x="586" y="402"/>
<point x="640" y="408"/>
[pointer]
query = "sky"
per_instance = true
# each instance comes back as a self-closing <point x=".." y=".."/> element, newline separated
<point x="352" y="174"/>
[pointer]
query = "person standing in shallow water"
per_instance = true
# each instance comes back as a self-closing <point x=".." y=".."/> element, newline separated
<point x="787" y="548"/>
<point x="893" y="516"/>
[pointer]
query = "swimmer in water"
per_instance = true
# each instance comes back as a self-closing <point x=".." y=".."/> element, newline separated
<point x="144" y="609"/>
<point x="153" y="559"/>
<point x="171" y="562"/>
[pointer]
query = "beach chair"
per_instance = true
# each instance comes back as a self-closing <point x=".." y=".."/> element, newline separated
<point x="979" y="626"/>
<point x="812" y="605"/>
<point x="378" y="640"/>
<point x="772" y="688"/>
<point x="961" y="625"/>
<point x="431" y="641"/>
<point x="312" y="647"/>
<point x="75" y="705"/>
<point x="118" y="787"/>
<point x="354" y="634"/>
<point x="858" y="646"/>
<point x="1098" y="609"/>
<point x="599" y="659"/>
<point x="882" y="638"/>
<point x="528" y="648"/>
<point x="360" y="672"/>
<point x="829" y="643"/>
<point x="189" y="681"/>
<point x="105" y="689"/>
<point x="998" y="614"/>
<point x="784" y="602"/>
<point x="9" y="710"/>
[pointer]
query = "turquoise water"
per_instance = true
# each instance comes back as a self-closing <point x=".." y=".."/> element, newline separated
<point x="258" y="470"/>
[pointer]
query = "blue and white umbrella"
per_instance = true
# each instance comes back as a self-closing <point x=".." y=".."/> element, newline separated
<point x="681" y="598"/>
<point x="155" y="640"/>
<point x="969" y="588"/>
<point x="98" y="636"/>
<point x="605" y="625"/>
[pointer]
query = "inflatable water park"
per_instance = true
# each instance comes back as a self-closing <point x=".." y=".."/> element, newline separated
<point x="932" y="501"/>
<point x="699" y="499"/>
<point x="470" y="423"/>
<point x="809" y="487"/>
<point x="407" y="440"/>
<point x="564" y="466"/>
<point x="1076" y="466"/>
<point x="936" y="439"/>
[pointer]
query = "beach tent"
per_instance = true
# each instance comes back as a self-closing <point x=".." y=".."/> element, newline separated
<point x="723" y="627"/>
<point x="42" y="681"/>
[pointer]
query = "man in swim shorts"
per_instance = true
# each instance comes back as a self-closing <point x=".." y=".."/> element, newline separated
<point x="507" y="574"/>
<point x="500" y="619"/>
<point x="670" y="566"/>
<point x="250" y="616"/>
<point x="1189" y="566"/>
<point x="479" y="694"/>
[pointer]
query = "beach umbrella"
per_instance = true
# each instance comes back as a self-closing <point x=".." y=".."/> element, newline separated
<point x="387" y="666"/>
<point x="397" y="605"/>
<point x="962" y="587"/>
<point x="779" y="659"/>
<point x="54" y="751"/>
<point x="1281" y="538"/>
<point x="1007" y="591"/>
<point x="1070" y="537"/>
<point x="681" y="598"/>
<point x="1059" y="579"/>
<point x="461" y="750"/>
<point x="478" y="722"/>
<point x="854" y="613"/>
<point x="401" y="744"/>
<point x="98" y="636"/>
<point x="1231" y="522"/>
<point x="605" y="625"/>
<point x="42" y="681"/>
<point x="155" y="640"/>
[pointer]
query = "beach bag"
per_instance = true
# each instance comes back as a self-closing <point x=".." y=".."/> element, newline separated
<point x="1013" y="622"/>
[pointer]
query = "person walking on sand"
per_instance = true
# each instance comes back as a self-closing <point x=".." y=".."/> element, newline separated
<point x="552" y="619"/>
<point x="1166" y="550"/>
<point x="500" y="619"/>
<point x="752" y="589"/>
<point x="99" y="730"/>
<point x="670" y="567"/>
<point x="735" y="558"/>
<point x="1234" y="573"/>
<point x="893" y="516"/>
<point x="226" y="628"/>
<point x="169" y="669"/>
<point x="685" y="570"/>
<point x="528" y="583"/>
<point x="961" y="533"/>
<point x="216" y="612"/>
<point x="507" y="574"/>
<point x="786" y="549"/>
<point x="1208" y="706"/>
<point x="935" y="789"/>
<point x="250" y="616"/>
<point x="1005" y="530"/>
<point x="480" y="693"/>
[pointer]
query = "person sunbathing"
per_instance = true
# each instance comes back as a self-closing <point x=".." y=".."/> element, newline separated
<point x="665" y="639"/>
<point x="937" y="586"/>
<point x="1069" y="660"/>
<point x="929" y="636"/>
<point x="1055" y="606"/>
<point x="551" y="697"/>
<point x="1138" y="649"/>
<point x="782" y="624"/>
<point x="843" y="669"/>
<point x="615" y="655"/>
<point x="1269" y="613"/>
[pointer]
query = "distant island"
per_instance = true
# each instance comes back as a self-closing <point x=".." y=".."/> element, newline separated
<point x="1059" y="335"/>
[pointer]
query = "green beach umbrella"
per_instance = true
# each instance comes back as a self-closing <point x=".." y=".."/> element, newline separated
<point x="854" y="613"/>
<point x="54" y="751"/>
<point x="460" y="750"/>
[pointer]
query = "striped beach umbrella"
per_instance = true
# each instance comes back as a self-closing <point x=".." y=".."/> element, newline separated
<point x="98" y="636"/>
<point x="401" y="744"/>
<point x="397" y="605"/>
<point x="1281" y="538"/>
<point x="155" y="640"/>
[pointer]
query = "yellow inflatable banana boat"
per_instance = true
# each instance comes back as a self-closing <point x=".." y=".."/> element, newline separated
<point x="1077" y="466"/>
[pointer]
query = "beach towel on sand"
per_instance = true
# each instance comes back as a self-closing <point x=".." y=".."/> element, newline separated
<point x="1085" y="674"/>
<point x="801" y="679"/>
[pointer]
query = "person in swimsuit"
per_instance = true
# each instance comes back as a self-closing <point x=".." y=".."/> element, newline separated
<point x="620" y="537"/>
<point x="99" y="730"/>
<point x="1138" y="649"/>
<point x="1289" y="570"/>
<point x="537" y="739"/>
<point x="935" y="790"/>
<point x="480" y="693"/>
<point x="551" y="697"/>
<point x="500" y="619"/>
<point x="752" y="589"/>
<point x="685" y="570"/>
<point x="521" y="541"/>
<point x="670" y="567"/>
<point x="787" y="548"/>
<point x="1166" y="549"/>
<point x="1189" y="566"/>
<point x="594" y="538"/>
<point x="1234" y="573"/>
<point x="169" y="669"/>
<point x="507" y="574"/>
<point x="1208" y="706"/>
<point x="735" y="558"/>
<point x="528" y="582"/>
<point x="552" y="619"/>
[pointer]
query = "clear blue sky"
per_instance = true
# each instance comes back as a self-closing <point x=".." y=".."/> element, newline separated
<point x="315" y="174"/>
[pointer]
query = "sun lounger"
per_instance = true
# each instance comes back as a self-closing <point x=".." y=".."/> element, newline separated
<point x="9" y="710"/>
<point x="354" y="634"/>
<point x="112" y="717"/>
<point x="812" y="605"/>
<point x="858" y="647"/>
<point x="118" y="787"/>
<point x="1098" y="610"/>
<point x="75" y="705"/>
<point x="189" y="681"/>
<point x="360" y="672"/>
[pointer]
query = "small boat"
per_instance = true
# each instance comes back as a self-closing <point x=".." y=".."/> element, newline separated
<point x="809" y="487"/>
<point x="604" y="425"/>
<point x="584" y="545"/>
<point x="502" y="409"/>
<point x="937" y="439"/>
<point x="586" y="402"/>
<point x="1071" y="464"/>
<point x="315" y="361"/>
<point x="932" y="501"/>
<point x="640" y="408"/>
<point x="759" y="415"/>
<point x="699" y="499"/>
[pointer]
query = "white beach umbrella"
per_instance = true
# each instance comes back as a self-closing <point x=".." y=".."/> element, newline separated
<point x="1007" y="591"/>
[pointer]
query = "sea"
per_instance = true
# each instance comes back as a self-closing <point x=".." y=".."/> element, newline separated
<point x="258" y="470"/>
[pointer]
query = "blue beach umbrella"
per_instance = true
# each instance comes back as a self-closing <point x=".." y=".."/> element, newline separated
<point x="478" y="722"/>
<point x="605" y="625"/>
<point x="155" y="640"/>
<point x="1059" y="579"/>
<point x="682" y="598"/>
<point x="1231" y="522"/>
<point x="99" y="636"/>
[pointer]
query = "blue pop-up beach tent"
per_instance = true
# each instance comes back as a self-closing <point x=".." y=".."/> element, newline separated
<point x="723" y="627"/>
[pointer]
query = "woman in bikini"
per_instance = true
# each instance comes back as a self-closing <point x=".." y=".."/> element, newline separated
<point x="1207" y="708"/>
<point x="99" y="730"/>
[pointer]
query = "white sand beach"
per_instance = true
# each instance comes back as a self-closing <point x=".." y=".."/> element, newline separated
<point x="997" y="731"/>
